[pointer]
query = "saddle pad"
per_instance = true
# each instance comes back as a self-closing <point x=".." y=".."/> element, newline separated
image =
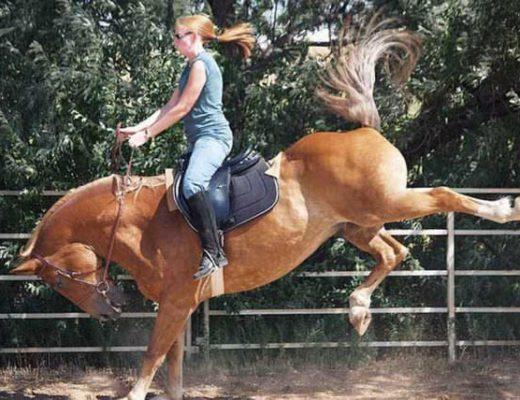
<point x="252" y="194"/>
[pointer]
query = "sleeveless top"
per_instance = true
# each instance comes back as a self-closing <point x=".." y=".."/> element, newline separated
<point x="206" y="117"/>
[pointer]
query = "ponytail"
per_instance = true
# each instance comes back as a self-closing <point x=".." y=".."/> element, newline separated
<point x="240" y="35"/>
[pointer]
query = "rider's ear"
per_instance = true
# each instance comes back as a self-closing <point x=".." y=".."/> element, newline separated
<point x="28" y="267"/>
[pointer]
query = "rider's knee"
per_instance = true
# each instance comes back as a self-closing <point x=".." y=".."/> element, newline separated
<point x="190" y="187"/>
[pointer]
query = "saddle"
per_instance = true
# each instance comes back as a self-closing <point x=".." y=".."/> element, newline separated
<point x="239" y="190"/>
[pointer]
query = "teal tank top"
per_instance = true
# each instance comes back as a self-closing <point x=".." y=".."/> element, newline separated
<point x="206" y="118"/>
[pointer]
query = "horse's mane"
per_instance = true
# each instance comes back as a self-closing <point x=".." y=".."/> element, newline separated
<point x="137" y="183"/>
<point x="70" y="195"/>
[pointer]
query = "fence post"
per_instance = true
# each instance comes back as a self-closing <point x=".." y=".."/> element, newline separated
<point x="187" y="339"/>
<point x="206" y="344"/>
<point x="450" y="266"/>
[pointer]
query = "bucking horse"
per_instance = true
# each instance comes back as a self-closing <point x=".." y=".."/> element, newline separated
<point x="328" y="183"/>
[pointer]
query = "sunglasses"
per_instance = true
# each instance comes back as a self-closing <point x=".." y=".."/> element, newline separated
<point x="179" y="36"/>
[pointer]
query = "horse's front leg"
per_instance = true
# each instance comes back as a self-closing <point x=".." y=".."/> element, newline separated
<point x="175" y="359"/>
<point x="168" y="328"/>
<point x="388" y="252"/>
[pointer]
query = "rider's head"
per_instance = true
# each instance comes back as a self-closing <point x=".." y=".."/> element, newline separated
<point x="194" y="30"/>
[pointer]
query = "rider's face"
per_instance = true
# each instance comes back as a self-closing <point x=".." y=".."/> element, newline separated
<point x="183" y="39"/>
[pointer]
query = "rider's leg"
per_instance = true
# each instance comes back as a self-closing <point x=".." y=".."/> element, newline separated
<point x="207" y="156"/>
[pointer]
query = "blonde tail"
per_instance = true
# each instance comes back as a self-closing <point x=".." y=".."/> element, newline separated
<point x="353" y="73"/>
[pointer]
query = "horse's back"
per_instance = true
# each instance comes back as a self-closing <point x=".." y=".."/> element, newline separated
<point x="362" y="153"/>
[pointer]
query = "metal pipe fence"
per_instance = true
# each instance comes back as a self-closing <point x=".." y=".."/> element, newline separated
<point x="451" y="310"/>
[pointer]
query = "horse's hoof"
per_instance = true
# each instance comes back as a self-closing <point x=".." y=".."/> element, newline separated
<point x="174" y="393"/>
<point x="360" y="318"/>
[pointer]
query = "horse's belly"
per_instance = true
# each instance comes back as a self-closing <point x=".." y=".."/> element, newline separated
<point x="273" y="245"/>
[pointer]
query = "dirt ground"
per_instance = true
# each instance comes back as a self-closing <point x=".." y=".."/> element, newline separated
<point x="392" y="378"/>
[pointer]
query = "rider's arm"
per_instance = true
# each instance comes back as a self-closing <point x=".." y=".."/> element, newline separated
<point x="187" y="100"/>
<point x="159" y="113"/>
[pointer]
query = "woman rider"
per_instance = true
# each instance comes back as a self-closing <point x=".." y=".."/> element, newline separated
<point x="197" y="101"/>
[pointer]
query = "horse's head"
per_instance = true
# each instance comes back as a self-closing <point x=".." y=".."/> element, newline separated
<point x="75" y="272"/>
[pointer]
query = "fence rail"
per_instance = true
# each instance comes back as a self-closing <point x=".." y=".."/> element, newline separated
<point x="451" y="310"/>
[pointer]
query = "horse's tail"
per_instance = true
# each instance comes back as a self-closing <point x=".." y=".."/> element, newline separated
<point x="352" y="73"/>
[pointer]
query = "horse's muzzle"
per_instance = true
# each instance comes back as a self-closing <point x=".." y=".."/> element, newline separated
<point x="109" y="305"/>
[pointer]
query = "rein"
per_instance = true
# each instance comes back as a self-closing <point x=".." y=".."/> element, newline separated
<point x="101" y="287"/>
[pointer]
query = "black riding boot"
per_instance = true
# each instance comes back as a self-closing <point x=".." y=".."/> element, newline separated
<point x="213" y="256"/>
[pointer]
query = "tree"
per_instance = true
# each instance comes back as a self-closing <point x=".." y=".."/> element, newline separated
<point x="72" y="69"/>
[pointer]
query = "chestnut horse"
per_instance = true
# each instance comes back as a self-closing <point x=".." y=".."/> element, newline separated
<point x="350" y="183"/>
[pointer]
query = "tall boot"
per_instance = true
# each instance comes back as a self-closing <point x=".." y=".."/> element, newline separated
<point x="204" y="219"/>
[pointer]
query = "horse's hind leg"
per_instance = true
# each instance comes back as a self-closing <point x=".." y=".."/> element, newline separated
<point x="414" y="203"/>
<point x="388" y="252"/>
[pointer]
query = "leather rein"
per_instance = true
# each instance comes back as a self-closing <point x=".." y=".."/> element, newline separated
<point x="103" y="286"/>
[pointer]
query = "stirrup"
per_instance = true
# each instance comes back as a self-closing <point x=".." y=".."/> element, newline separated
<point x="206" y="268"/>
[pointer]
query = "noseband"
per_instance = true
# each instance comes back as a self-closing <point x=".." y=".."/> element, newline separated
<point x="101" y="287"/>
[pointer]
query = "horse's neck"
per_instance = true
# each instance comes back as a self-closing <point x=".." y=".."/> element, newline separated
<point x="88" y="215"/>
<point x="133" y="235"/>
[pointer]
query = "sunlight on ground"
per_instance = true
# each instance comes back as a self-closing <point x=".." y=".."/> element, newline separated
<point x="393" y="378"/>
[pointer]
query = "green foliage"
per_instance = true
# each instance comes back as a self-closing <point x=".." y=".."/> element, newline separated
<point x="72" y="69"/>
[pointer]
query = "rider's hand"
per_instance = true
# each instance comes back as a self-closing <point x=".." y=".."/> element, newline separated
<point x="138" y="139"/>
<point x="121" y="137"/>
<point x="129" y="130"/>
<point x="124" y="133"/>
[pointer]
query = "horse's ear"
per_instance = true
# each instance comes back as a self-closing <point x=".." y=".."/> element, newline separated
<point x="28" y="267"/>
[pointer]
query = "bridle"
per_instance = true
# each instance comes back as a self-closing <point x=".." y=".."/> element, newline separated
<point x="102" y="288"/>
